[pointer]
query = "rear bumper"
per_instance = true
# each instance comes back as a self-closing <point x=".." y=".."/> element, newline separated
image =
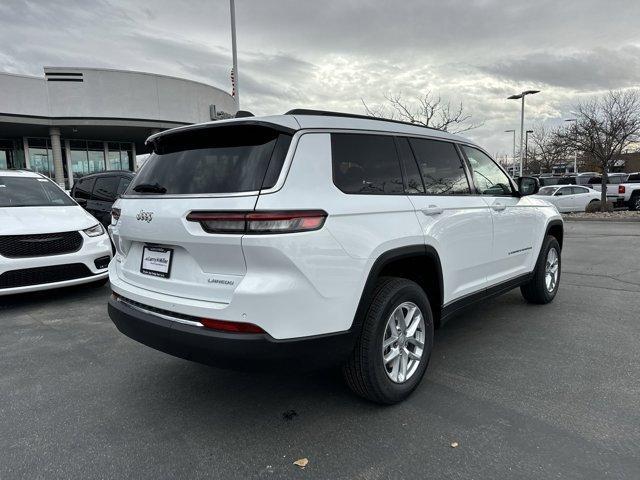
<point x="229" y="350"/>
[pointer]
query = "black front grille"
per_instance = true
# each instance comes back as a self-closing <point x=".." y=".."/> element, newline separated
<point x="40" y="245"/>
<point x="42" y="275"/>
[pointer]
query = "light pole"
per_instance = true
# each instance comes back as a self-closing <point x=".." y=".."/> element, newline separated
<point x="575" y="150"/>
<point x="516" y="97"/>
<point x="234" y="51"/>
<point x="526" y="148"/>
<point x="514" y="151"/>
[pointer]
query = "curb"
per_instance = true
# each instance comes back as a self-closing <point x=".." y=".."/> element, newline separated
<point x="604" y="219"/>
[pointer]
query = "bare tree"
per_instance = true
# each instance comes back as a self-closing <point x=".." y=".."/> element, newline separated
<point x="605" y="128"/>
<point x="427" y="110"/>
<point x="548" y="149"/>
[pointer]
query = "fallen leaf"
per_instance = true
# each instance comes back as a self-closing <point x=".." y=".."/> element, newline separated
<point x="303" y="462"/>
<point x="454" y="445"/>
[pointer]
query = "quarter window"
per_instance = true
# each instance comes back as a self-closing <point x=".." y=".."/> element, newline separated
<point x="105" y="189"/>
<point x="83" y="188"/>
<point x="488" y="177"/>
<point x="441" y="167"/>
<point x="366" y="164"/>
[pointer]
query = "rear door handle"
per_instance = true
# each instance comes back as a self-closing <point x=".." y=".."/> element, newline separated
<point x="432" y="210"/>
<point x="498" y="206"/>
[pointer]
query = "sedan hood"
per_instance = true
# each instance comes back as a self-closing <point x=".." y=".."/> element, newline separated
<point x="33" y="220"/>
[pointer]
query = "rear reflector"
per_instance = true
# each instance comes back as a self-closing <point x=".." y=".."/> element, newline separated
<point x="260" y="222"/>
<point x="235" y="327"/>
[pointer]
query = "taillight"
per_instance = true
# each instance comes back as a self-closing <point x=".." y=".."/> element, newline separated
<point x="260" y="222"/>
<point x="234" y="327"/>
<point x="621" y="189"/>
<point x="115" y="215"/>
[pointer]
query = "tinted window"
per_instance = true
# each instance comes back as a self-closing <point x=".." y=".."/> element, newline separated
<point x="412" y="177"/>
<point x="548" y="181"/>
<point x="578" y="190"/>
<point x="595" y="181"/>
<point x="83" y="188"/>
<point x="123" y="183"/>
<point x="567" y="181"/>
<point x="441" y="167"/>
<point x="488" y="177"/>
<point x="564" y="191"/>
<point x="635" y="178"/>
<point x="547" y="191"/>
<point x="31" y="192"/>
<point x="366" y="164"/>
<point x="224" y="159"/>
<point x="105" y="189"/>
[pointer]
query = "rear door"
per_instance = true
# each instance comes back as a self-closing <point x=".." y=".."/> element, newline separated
<point x="453" y="219"/>
<point x="219" y="170"/>
<point x="564" y="199"/>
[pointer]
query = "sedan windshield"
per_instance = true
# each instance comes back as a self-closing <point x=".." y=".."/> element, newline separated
<point x="547" y="190"/>
<point x="31" y="192"/>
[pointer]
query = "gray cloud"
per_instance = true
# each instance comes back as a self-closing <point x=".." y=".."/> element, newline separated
<point x="330" y="54"/>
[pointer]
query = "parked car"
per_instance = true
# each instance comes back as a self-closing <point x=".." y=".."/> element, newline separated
<point x="572" y="198"/>
<point x="46" y="239"/>
<point x="547" y="181"/>
<point x="316" y="239"/>
<point x="625" y="193"/>
<point x="97" y="192"/>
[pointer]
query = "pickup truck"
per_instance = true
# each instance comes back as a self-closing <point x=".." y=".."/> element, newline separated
<point x="623" y="191"/>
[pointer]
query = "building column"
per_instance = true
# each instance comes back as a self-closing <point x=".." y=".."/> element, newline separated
<point x="67" y="148"/>
<point x="56" y="148"/>
<point x="27" y="158"/>
<point x="105" y="147"/>
<point x="133" y="167"/>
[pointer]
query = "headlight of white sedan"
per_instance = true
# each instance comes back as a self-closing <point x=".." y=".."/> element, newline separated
<point x="95" y="231"/>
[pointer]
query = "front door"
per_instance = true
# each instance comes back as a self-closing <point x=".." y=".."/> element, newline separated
<point x="455" y="222"/>
<point x="515" y="219"/>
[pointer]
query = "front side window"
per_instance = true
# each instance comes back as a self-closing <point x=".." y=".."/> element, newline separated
<point x="441" y="167"/>
<point x="31" y="192"/>
<point x="488" y="177"/>
<point x="226" y="159"/>
<point x="366" y="164"/>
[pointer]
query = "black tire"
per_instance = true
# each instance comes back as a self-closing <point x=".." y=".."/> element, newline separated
<point x="98" y="283"/>
<point x="634" y="202"/>
<point x="365" y="372"/>
<point x="536" y="290"/>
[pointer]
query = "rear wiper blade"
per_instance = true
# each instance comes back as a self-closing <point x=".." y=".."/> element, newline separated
<point x="150" y="188"/>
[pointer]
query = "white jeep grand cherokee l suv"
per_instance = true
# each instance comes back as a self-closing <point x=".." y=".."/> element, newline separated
<point x="317" y="239"/>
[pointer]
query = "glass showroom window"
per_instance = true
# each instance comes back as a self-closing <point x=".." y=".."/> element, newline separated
<point x="87" y="157"/>
<point x="120" y="155"/>
<point x="40" y="156"/>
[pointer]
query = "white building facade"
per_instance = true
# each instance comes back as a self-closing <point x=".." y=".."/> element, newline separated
<point x="77" y="121"/>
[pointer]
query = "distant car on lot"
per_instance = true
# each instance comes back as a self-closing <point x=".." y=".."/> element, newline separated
<point x="97" y="192"/>
<point x="46" y="239"/>
<point x="547" y="181"/>
<point x="582" y="178"/>
<point x="568" y="198"/>
<point x="319" y="238"/>
<point x="625" y="191"/>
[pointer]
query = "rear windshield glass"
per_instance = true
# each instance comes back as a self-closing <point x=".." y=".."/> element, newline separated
<point x="31" y="192"/>
<point x="239" y="158"/>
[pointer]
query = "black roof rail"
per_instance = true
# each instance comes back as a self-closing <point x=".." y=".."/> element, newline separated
<point x="243" y="114"/>
<point x="326" y="113"/>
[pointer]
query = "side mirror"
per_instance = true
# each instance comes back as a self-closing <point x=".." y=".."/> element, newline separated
<point x="528" y="185"/>
<point x="82" y="202"/>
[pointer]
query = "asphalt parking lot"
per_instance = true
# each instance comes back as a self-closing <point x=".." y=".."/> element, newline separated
<point x="526" y="391"/>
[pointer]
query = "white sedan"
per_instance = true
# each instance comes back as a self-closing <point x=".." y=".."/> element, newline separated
<point x="46" y="239"/>
<point x="568" y="198"/>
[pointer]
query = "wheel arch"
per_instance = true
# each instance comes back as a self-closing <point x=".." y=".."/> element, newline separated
<point x="419" y="263"/>
<point x="555" y="228"/>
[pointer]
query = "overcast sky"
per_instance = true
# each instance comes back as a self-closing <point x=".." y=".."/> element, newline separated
<point x="329" y="54"/>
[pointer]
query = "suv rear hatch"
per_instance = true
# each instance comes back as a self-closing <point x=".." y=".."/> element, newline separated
<point x="216" y="169"/>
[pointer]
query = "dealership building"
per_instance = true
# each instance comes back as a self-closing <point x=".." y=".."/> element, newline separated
<point x="76" y="121"/>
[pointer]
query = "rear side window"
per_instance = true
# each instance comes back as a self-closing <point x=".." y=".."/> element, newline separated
<point x="366" y="164"/>
<point x="441" y="167"/>
<point x="412" y="176"/>
<point x="635" y="178"/>
<point x="83" y="188"/>
<point x="225" y="159"/>
<point x="579" y="190"/>
<point x="123" y="183"/>
<point x="105" y="189"/>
